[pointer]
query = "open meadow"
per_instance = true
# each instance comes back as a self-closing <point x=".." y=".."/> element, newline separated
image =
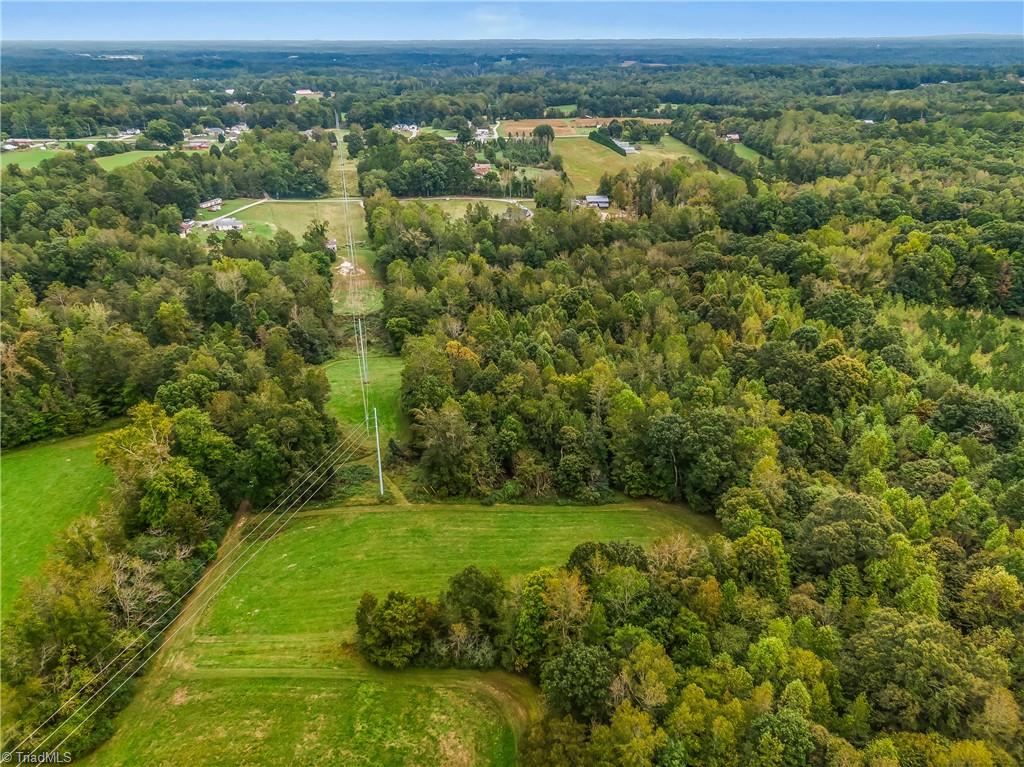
<point x="585" y="161"/>
<point x="346" y="401"/>
<point x="567" y="126"/>
<point x="43" y="487"/>
<point x="294" y="216"/>
<point x="30" y="158"/>
<point x="268" y="674"/>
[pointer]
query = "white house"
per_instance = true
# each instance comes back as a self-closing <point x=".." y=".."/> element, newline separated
<point x="228" y="225"/>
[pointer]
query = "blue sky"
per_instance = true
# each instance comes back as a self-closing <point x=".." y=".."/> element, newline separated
<point x="134" y="20"/>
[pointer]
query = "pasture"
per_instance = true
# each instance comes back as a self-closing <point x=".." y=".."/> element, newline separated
<point x="566" y="126"/>
<point x="346" y="400"/>
<point x="294" y="216"/>
<point x="30" y="158"/>
<point x="44" y="486"/>
<point x="227" y="208"/>
<point x="267" y="675"/>
<point x="456" y="206"/>
<point x="585" y="161"/>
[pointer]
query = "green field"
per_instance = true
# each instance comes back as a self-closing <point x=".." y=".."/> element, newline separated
<point x="565" y="109"/>
<point x="456" y="206"/>
<point x="586" y="161"/>
<point x="43" y="487"/>
<point x="746" y="153"/>
<point x="30" y="158"/>
<point x="346" y="401"/>
<point x="126" y="158"/>
<point x="268" y="218"/>
<point x="267" y="676"/>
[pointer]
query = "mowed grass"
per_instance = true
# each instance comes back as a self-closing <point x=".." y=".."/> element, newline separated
<point x="456" y="206"/>
<point x="30" y="158"/>
<point x="385" y="382"/>
<point x="267" y="674"/>
<point x="294" y="216"/>
<point x="42" y="488"/>
<point x="585" y="161"/>
<point x="746" y="153"/>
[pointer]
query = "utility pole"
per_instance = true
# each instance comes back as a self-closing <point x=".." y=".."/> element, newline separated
<point x="380" y="468"/>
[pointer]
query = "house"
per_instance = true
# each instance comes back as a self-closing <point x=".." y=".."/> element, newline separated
<point x="625" y="146"/>
<point x="213" y="204"/>
<point x="197" y="143"/>
<point x="186" y="226"/>
<point x="733" y="138"/>
<point x="228" y="224"/>
<point x="215" y="131"/>
<point x="868" y="122"/>
<point x="451" y="139"/>
<point x="597" y="201"/>
<point x="306" y="93"/>
<point x="481" y="169"/>
<point x="9" y="147"/>
<point x="230" y="91"/>
<point x="483" y="134"/>
<point x="332" y="245"/>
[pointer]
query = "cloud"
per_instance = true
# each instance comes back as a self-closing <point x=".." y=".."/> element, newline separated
<point x="497" y="21"/>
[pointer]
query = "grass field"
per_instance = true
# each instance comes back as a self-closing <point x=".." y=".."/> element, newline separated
<point x="294" y="216"/>
<point x="266" y="675"/>
<point x="456" y="206"/>
<point x="566" y="126"/>
<point x="586" y="161"/>
<point x="30" y="158"/>
<point x="43" y="487"/>
<point x="346" y="401"/>
<point x="747" y="153"/>
<point x="565" y="109"/>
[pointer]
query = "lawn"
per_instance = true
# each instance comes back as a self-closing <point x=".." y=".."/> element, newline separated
<point x="456" y="206"/>
<point x="30" y="158"/>
<point x="565" y="109"/>
<point x="585" y="161"/>
<point x="346" y="400"/>
<point x="126" y="158"/>
<point x="294" y="216"/>
<point x="44" y="486"/>
<point x="746" y="153"/>
<point x="267" y="676"/>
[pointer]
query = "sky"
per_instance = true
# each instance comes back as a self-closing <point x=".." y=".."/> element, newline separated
<point x="141" y="20"/>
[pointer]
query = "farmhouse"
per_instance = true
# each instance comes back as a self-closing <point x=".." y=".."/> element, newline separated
<point x="307" y="93"/>
<point x="481" y="169"/>
<point x="597" y="201"/>
<point x="483" y="134"/>
<point x="213" y="204"/>
<point x="186" y="226"/>
<point x="228" y="225"/>
<point x="732" y="138"/>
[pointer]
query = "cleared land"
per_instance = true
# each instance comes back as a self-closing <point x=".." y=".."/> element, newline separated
<point x="456" y="206"/>
<point x="44" y="487"/>
<point x="294" y="216"/>
<point x="346" y="401"/>
<point x="567" y="126"/>
<point x="30" y="158"/>
<point x="267" y="676"/>
<point x="226" y="209"/>
<point x="747" y="153"/>
<point x="585" y="161"/>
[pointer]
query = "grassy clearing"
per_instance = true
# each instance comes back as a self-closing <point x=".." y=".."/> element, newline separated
<point x="586" y="161"/>
<point x="746" y="153"/>
<point x="43" y="487"/>
<point x="346" y="401"/>
<point x="265" y="676"/>
<point x="126" y="158"/>
<point x="294" y="216"/>
<point x="30" y="158"/>
<point x="456" y="206"/>
<point x="565" y="126"/>
<point x="565" y="109"/>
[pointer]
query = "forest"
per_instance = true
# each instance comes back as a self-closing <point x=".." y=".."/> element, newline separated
<point x="812" y="336"/>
